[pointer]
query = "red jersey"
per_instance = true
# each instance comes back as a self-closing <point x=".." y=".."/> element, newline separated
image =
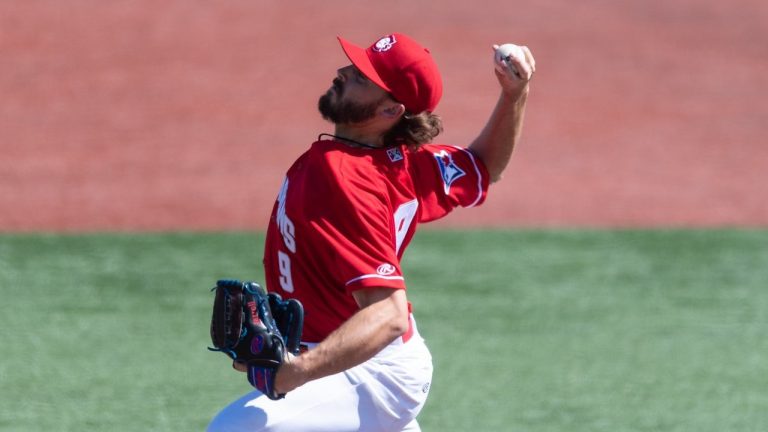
<point x="344" y="216"/>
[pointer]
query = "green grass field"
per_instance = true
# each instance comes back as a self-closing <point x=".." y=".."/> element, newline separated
<point x="530" y="330"/>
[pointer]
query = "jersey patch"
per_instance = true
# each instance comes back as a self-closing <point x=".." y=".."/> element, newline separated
<point x="386" y="269"/>
<point x="394" y="154"/>
<point x="449" y="171"/>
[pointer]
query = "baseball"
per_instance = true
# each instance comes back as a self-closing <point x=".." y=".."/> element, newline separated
<point x="505" y="51"/>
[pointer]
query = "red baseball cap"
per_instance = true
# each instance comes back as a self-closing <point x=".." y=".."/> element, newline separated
<point x="401" y="66"/>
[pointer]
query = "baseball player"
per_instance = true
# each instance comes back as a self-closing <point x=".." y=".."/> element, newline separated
<point x="346" y="211"/>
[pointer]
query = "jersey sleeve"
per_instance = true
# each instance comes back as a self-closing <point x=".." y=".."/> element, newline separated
<point x="447" y="177"/>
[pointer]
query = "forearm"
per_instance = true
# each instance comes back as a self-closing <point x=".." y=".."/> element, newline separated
<point x="357" y="340"/>
<point x="380" y="321"/>
<point x="501" y="133"/>
<point x="514" y="68"/>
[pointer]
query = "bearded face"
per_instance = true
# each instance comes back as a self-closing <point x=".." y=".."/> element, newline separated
<point x="339" y="110"/>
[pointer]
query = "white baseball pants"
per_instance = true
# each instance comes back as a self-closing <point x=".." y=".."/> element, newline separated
<point x="384" y="394"/>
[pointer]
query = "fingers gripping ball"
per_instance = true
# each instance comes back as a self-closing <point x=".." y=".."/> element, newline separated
<point x="504" y="54"/>
<point x="243" y="328"/>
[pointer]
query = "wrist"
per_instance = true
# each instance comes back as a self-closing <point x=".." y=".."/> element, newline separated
<point x="515" y="94"/>
<point x="293" y="373"/>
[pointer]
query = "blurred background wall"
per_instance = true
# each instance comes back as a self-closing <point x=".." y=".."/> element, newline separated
<point x="182" y="114"/>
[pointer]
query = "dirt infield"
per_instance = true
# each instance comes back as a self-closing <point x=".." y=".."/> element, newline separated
<point x="141" y="115"/>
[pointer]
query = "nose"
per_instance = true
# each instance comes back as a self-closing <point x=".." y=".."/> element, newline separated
<point x="344" y="72"/>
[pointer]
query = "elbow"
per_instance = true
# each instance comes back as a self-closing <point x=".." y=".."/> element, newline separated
<point x="399" y="315"/>
<point x="399" y="321"/>
<point x="387" y="310"/>
<point x="494" y="164"/>
<point x="400" y="325"/>
<point x="495" y="172"/>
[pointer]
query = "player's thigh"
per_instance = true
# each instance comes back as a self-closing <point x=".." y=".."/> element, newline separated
<point x="327" y="404"/>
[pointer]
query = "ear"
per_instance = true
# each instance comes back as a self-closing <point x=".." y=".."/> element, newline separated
<point x="393" y="110"/>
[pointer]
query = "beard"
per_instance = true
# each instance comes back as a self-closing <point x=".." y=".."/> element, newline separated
<point x="344" y="111"/>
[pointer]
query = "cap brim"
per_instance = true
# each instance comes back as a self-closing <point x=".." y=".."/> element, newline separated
<point x="359" y="57"/>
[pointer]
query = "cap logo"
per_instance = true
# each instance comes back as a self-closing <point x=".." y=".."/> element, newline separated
<point x="385" y="43"/>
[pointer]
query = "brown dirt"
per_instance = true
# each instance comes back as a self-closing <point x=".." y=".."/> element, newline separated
<point x="141" y="115"/>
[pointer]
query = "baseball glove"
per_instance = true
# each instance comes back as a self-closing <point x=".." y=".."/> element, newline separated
<point x="255" y="328"/>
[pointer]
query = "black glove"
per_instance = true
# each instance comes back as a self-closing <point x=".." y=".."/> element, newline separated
<point x="244" y="328"/>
